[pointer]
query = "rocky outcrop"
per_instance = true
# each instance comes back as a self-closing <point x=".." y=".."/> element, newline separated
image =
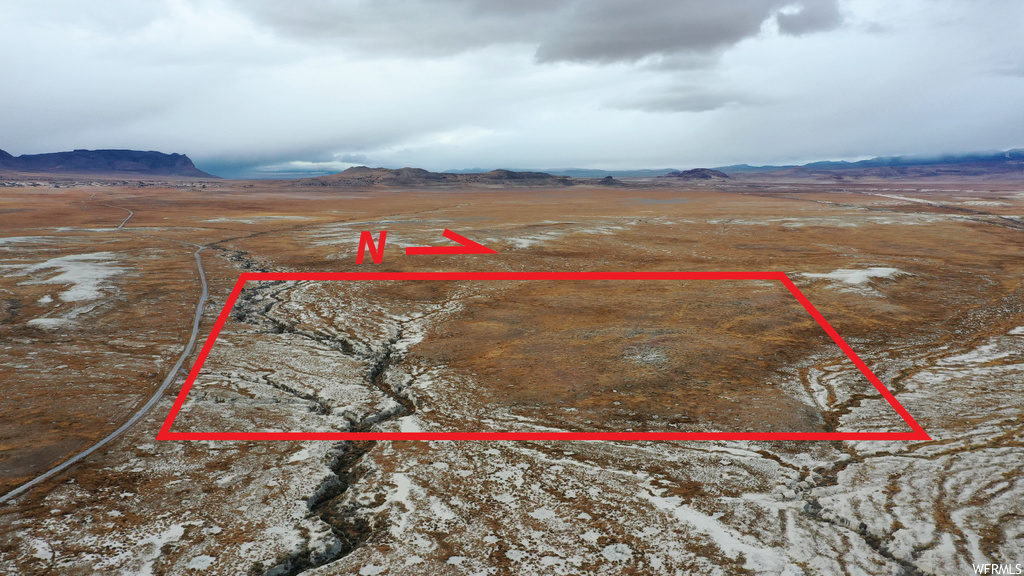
<point x="419" y="178"/>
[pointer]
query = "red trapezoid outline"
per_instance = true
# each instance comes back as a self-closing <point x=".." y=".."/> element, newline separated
<point x="918" y="433"/>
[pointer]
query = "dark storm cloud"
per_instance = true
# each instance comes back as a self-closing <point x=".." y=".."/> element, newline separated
<point x="592" y="31"/>
<point x="412" y="28"/>
<point x="610" y="31"/>
<point x="812" y="17"/>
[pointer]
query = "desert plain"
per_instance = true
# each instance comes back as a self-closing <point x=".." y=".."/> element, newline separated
<point x="923" y="279"/>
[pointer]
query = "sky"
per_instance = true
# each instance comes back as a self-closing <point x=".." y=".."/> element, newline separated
<point x="260" y="88"/>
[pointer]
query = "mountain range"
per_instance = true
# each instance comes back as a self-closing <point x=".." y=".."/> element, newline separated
<point x="103" y="163"/>
<point x="136" y="163"/>
<point x="1007" y="162"/>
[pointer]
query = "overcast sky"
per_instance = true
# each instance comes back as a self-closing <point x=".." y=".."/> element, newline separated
<point x="250" y="87"/>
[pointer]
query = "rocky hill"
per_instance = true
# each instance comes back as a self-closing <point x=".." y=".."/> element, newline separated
<point x="697" y="174"/>
<point x="418" y="177"/>
<point x="103" y="163"/>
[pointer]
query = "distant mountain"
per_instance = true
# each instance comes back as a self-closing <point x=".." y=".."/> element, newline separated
<point x="591" y="173"/>
<point x="748" y="169"/>
<point x="697" y="174"/>
<point x="582" y="172"/>
<point x="418" y="177"/>
<point x="103" y="163"/>
<point x="1008" y="162"/>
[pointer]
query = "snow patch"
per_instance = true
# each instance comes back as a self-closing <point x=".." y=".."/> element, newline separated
<point x="542" y="513"/>
<point x="287" y="536"/>
<point x="255" y="219"/>
<point x="41" y="550"/>
<point x="87" y="273"/>
<point x="985" y="203"/>
<point x="201" y="562"/>
<point x="16" y="239"/>
<point x="409" y="424"/>
<point x="857" y="277"/>
<point x="857" y="280"/>
<point x="729" y="541"/>
<point x="49" y="323"/>
<point x="151" y="549"/>
<point x="617" y="552"/>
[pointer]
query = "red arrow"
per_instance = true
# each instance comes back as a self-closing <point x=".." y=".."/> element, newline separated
<point x="468" y="247"/>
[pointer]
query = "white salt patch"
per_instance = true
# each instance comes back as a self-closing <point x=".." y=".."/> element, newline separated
<point x="45" y="299"/>
<point x="371" y="570"/>
<point x="1017" y="331"/>
<point x="456" y="560"/>
<point x="299" y="456"/>
<point x="201" y="562"/>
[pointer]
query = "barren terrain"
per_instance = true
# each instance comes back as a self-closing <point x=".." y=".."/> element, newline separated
<point x="924" y="280"/>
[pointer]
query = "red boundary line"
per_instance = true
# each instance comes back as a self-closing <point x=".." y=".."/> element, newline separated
<point x="165" y="433"/>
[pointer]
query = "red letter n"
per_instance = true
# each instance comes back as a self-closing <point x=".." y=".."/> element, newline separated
<point x="366" y="242"/>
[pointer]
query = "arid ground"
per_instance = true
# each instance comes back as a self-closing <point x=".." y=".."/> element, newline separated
<point x="924" y="279"/>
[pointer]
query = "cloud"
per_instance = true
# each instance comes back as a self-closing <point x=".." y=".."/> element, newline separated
<point x="588" y="31"/>
<point x="811" y="17"/>
<point x="681" y="99"/>
<point x="606" y="31"/>
<point x="250" y="87"/>
<point x="353" y="158"/>
<point x="413" y="28"/>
